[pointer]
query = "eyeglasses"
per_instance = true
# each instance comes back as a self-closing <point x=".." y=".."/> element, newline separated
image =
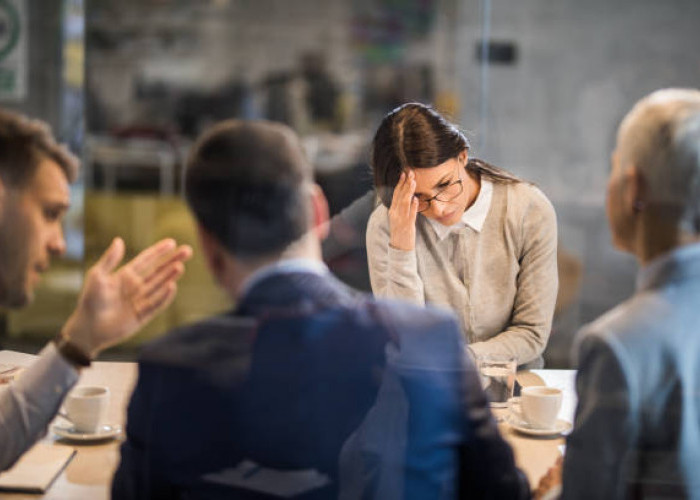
<point x="447" y="194"/>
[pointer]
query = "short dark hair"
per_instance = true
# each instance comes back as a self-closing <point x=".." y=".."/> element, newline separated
<point x="24" y="142"/>
<point x="415" y="135"/>
<point x="246" y="182"/>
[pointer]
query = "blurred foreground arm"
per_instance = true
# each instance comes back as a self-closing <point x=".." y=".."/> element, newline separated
<point x="112" y="306"/>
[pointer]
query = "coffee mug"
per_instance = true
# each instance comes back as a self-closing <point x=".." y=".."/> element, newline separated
<point x="538" y="406"/>
<point x="85" y="407"/>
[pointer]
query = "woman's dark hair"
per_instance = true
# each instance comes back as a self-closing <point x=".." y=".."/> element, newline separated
<point x="414" y="135"/>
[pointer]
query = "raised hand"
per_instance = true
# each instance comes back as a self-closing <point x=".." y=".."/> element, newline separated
<point x="113" y="305"/>
<point x="403" y="213"/>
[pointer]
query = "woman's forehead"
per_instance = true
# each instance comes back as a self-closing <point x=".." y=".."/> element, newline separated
<point x="428" y="178"/>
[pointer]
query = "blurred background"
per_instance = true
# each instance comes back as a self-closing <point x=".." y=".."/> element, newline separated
<point x="538" y="86"/>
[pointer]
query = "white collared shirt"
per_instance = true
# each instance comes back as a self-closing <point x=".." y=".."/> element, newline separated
<point x="473" y="217"/>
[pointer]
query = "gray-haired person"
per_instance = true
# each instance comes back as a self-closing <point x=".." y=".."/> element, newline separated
<point x="637" y="427"/>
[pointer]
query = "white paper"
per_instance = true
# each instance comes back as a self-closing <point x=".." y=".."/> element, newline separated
<point x="37" y="469"/>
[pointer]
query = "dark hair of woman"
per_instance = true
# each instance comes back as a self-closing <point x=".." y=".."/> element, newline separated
<point x="414" y="135"/>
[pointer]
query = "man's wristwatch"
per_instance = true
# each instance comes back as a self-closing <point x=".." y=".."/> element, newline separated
<point x="71" y="353"/>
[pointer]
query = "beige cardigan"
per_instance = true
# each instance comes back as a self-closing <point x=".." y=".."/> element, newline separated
<point x="502" y="282"/>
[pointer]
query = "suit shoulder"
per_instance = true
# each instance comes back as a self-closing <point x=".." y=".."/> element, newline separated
<point x="636" y="331"/>
<point x="426" y="337"/>
<point x="401" y="315"/>
<point x="630" y="320"/>
<point x="198" y="342"/>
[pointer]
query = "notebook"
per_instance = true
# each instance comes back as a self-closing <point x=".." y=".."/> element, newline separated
<point x="37" y="469"/>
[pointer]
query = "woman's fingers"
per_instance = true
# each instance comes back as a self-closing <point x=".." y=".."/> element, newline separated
<point x="402" y="213"/>
<point x="404" y="200"/>
<point x="414" y="209"/>
<point x="403" y="193"/>
<point x="398" y="190"/>
<point x="407" y="197"/>
<point x="411" y="190"/>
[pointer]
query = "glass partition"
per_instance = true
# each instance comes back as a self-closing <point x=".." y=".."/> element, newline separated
<point x="538" y="88"/>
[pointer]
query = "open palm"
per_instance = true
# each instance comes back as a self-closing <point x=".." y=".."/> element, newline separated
<point x="114" y="305"/>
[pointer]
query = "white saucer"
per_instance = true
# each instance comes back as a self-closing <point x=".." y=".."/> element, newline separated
<point x="103" y="433"/>
<point x="560" y="427"/>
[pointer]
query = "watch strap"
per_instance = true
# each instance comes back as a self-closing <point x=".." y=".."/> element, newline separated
<point x="71" y="353"/>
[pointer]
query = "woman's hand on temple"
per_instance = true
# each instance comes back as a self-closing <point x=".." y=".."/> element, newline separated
<point x="403" y="212"/>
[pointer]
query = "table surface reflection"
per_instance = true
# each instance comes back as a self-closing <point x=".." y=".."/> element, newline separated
<point x="89" y="474"/>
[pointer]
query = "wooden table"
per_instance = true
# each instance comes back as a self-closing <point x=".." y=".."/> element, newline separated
<point x="532" y="454"/>
<point x="89" y="474"/>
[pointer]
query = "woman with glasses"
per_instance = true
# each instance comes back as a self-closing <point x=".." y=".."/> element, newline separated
<point x="461" y="233"/>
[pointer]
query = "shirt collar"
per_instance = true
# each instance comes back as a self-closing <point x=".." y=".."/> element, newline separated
<point x="678" y="261"/>
<point x="285" y="266"/>
<point x="474" y="216"/>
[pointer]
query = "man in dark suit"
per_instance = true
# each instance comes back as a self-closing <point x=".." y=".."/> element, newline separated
<point x="263" y="401"/>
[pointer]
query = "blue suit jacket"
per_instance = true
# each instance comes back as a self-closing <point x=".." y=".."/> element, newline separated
<point x="303" y="369"/>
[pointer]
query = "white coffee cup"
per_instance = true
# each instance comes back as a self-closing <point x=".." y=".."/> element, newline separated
<point x="86" y="407"/>
<point x="539" y="406"/>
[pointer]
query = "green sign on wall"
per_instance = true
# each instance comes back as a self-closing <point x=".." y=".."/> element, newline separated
<point x="13" y="50"/>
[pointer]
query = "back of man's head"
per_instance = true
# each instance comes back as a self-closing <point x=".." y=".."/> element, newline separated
<point x="661" y="137"/>
<point x="23" y="143"/>
<point x="247" y="183"/>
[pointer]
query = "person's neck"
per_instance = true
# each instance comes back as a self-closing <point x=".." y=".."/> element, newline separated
<point x="657" y="234"/>
<point x="307" y="247"/>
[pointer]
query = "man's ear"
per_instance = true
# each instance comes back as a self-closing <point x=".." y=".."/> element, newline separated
<point x="636" y="195"/>
<point x="214" y="254"/>
<point x="319" y="212"/>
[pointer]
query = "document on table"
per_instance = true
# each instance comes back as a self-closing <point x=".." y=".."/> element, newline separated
<point x="37" y="469"/>
<point x="12" y="364"/>
<point x="17" y="358"/>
